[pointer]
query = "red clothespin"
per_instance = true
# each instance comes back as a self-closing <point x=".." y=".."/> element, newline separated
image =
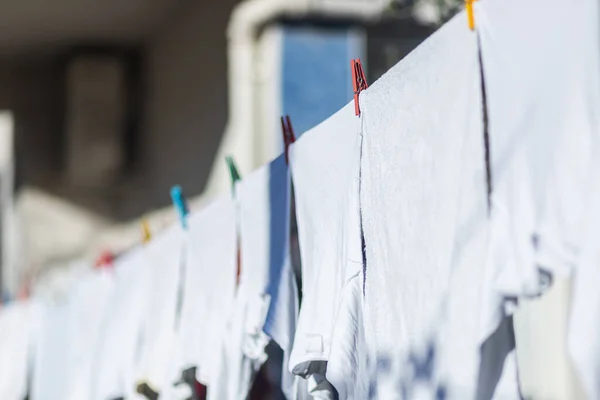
<point x="359" y="82"/>
<point x="105" y="260"/>
<point x="288" y="135"/>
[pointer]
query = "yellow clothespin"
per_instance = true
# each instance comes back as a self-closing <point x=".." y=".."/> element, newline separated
<point x="470" y="13"/>
<point x="146" y="234"/>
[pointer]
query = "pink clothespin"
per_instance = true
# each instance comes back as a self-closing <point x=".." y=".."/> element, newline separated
<point x="359" y="82"/>
<point x="288" y="135"/>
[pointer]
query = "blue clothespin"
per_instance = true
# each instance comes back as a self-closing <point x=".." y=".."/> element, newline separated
<point x="180" y="205"/>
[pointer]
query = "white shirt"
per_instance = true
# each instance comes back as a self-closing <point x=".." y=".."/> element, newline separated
<point x="117" y="354"/>
<point x="266" y="303"/>
<point x="166" y="259"/>
<point x="209" y="286"/>
<point x="554" y="115"/>
<point x="423" y="197"/>
<point x="325" y="165"/>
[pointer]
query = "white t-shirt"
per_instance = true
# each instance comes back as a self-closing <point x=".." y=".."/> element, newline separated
<point x="17" y="324"/>
<point x="325" y="169"/>
<point x="544" y="92"/>
<point x="553" y="118"/>
<point x="266" y="303"/>
<point x="348" y="368"/>
<point x="166" y="260"/>
<point x="117" y="353"/>
<point x="423" y="198"/>
<point x="208" y="290"/>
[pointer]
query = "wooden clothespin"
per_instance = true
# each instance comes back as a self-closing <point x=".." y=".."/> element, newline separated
<point x="288" y="135"/>
<point x="233" y="171"/>
<point x="470" y="14"/>
<point x="146" y="233"/>
<point x="180" y="205"/>
<point x="359" y="82"/>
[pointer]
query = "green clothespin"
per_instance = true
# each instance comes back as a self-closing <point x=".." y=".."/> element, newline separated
<point x="233" y="171"/>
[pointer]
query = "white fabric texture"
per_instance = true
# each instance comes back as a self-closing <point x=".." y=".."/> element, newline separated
<point x="118" y="350"/>
<point x="87" y="306"/>
<point x="16" y="327"/>
<point x="50" y="371"/>
<point x="208" y="295"/>
<point x="423" y="196"/>
<point x="555" y="118"/>
<point x="67" y="337"/>
<point x="266" y="303"/>
<point x="583" y="339"/>
<point x="166" y="259"/>
<point x="325" y="165"/>
<point x="541" y="137"/>
<point x="209" y="286"/>
<point x="348" y="369"/>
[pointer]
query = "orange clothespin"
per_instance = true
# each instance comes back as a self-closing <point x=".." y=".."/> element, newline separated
<point x="359" y="82"/>
<point x="470" y="14"/>
<point x="105" y="260"/>
<point x="288" y="135"/>
<point x="146" y="234"/>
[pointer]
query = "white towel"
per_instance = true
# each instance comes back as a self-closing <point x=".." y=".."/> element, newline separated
<point x="554" y="118"/>
<point x="17" y="324"/>
<point x="116" y="356"/>
<point x="266" y="304"/>
<point x="423" y="196"/>
<point x="325" y="165"/>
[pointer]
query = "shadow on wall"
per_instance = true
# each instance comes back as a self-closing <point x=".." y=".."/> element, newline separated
<point x="171" y="137"/>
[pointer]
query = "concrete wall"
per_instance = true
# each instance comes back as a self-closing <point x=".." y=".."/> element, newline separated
<point x="187" y="97"/>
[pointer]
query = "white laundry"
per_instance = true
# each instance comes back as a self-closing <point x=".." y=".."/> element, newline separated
<point x="423" y="196"/>
<point x="67" y="336"/>
<point x="51" y="367"/>
<point x="166" y="255"/>
<point x="87" y="306"/>
<point x="266" y="301"/>
<point x="325" y="165"/>
<point x="118" y="351"/>
<point x="348" y="368"/>
<point x="583" y="339"/>
<point x="17" y="324"/>
<point x="555" y="117"/>
<point x="545" y="132"/>
<point x="209" y="287"/>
